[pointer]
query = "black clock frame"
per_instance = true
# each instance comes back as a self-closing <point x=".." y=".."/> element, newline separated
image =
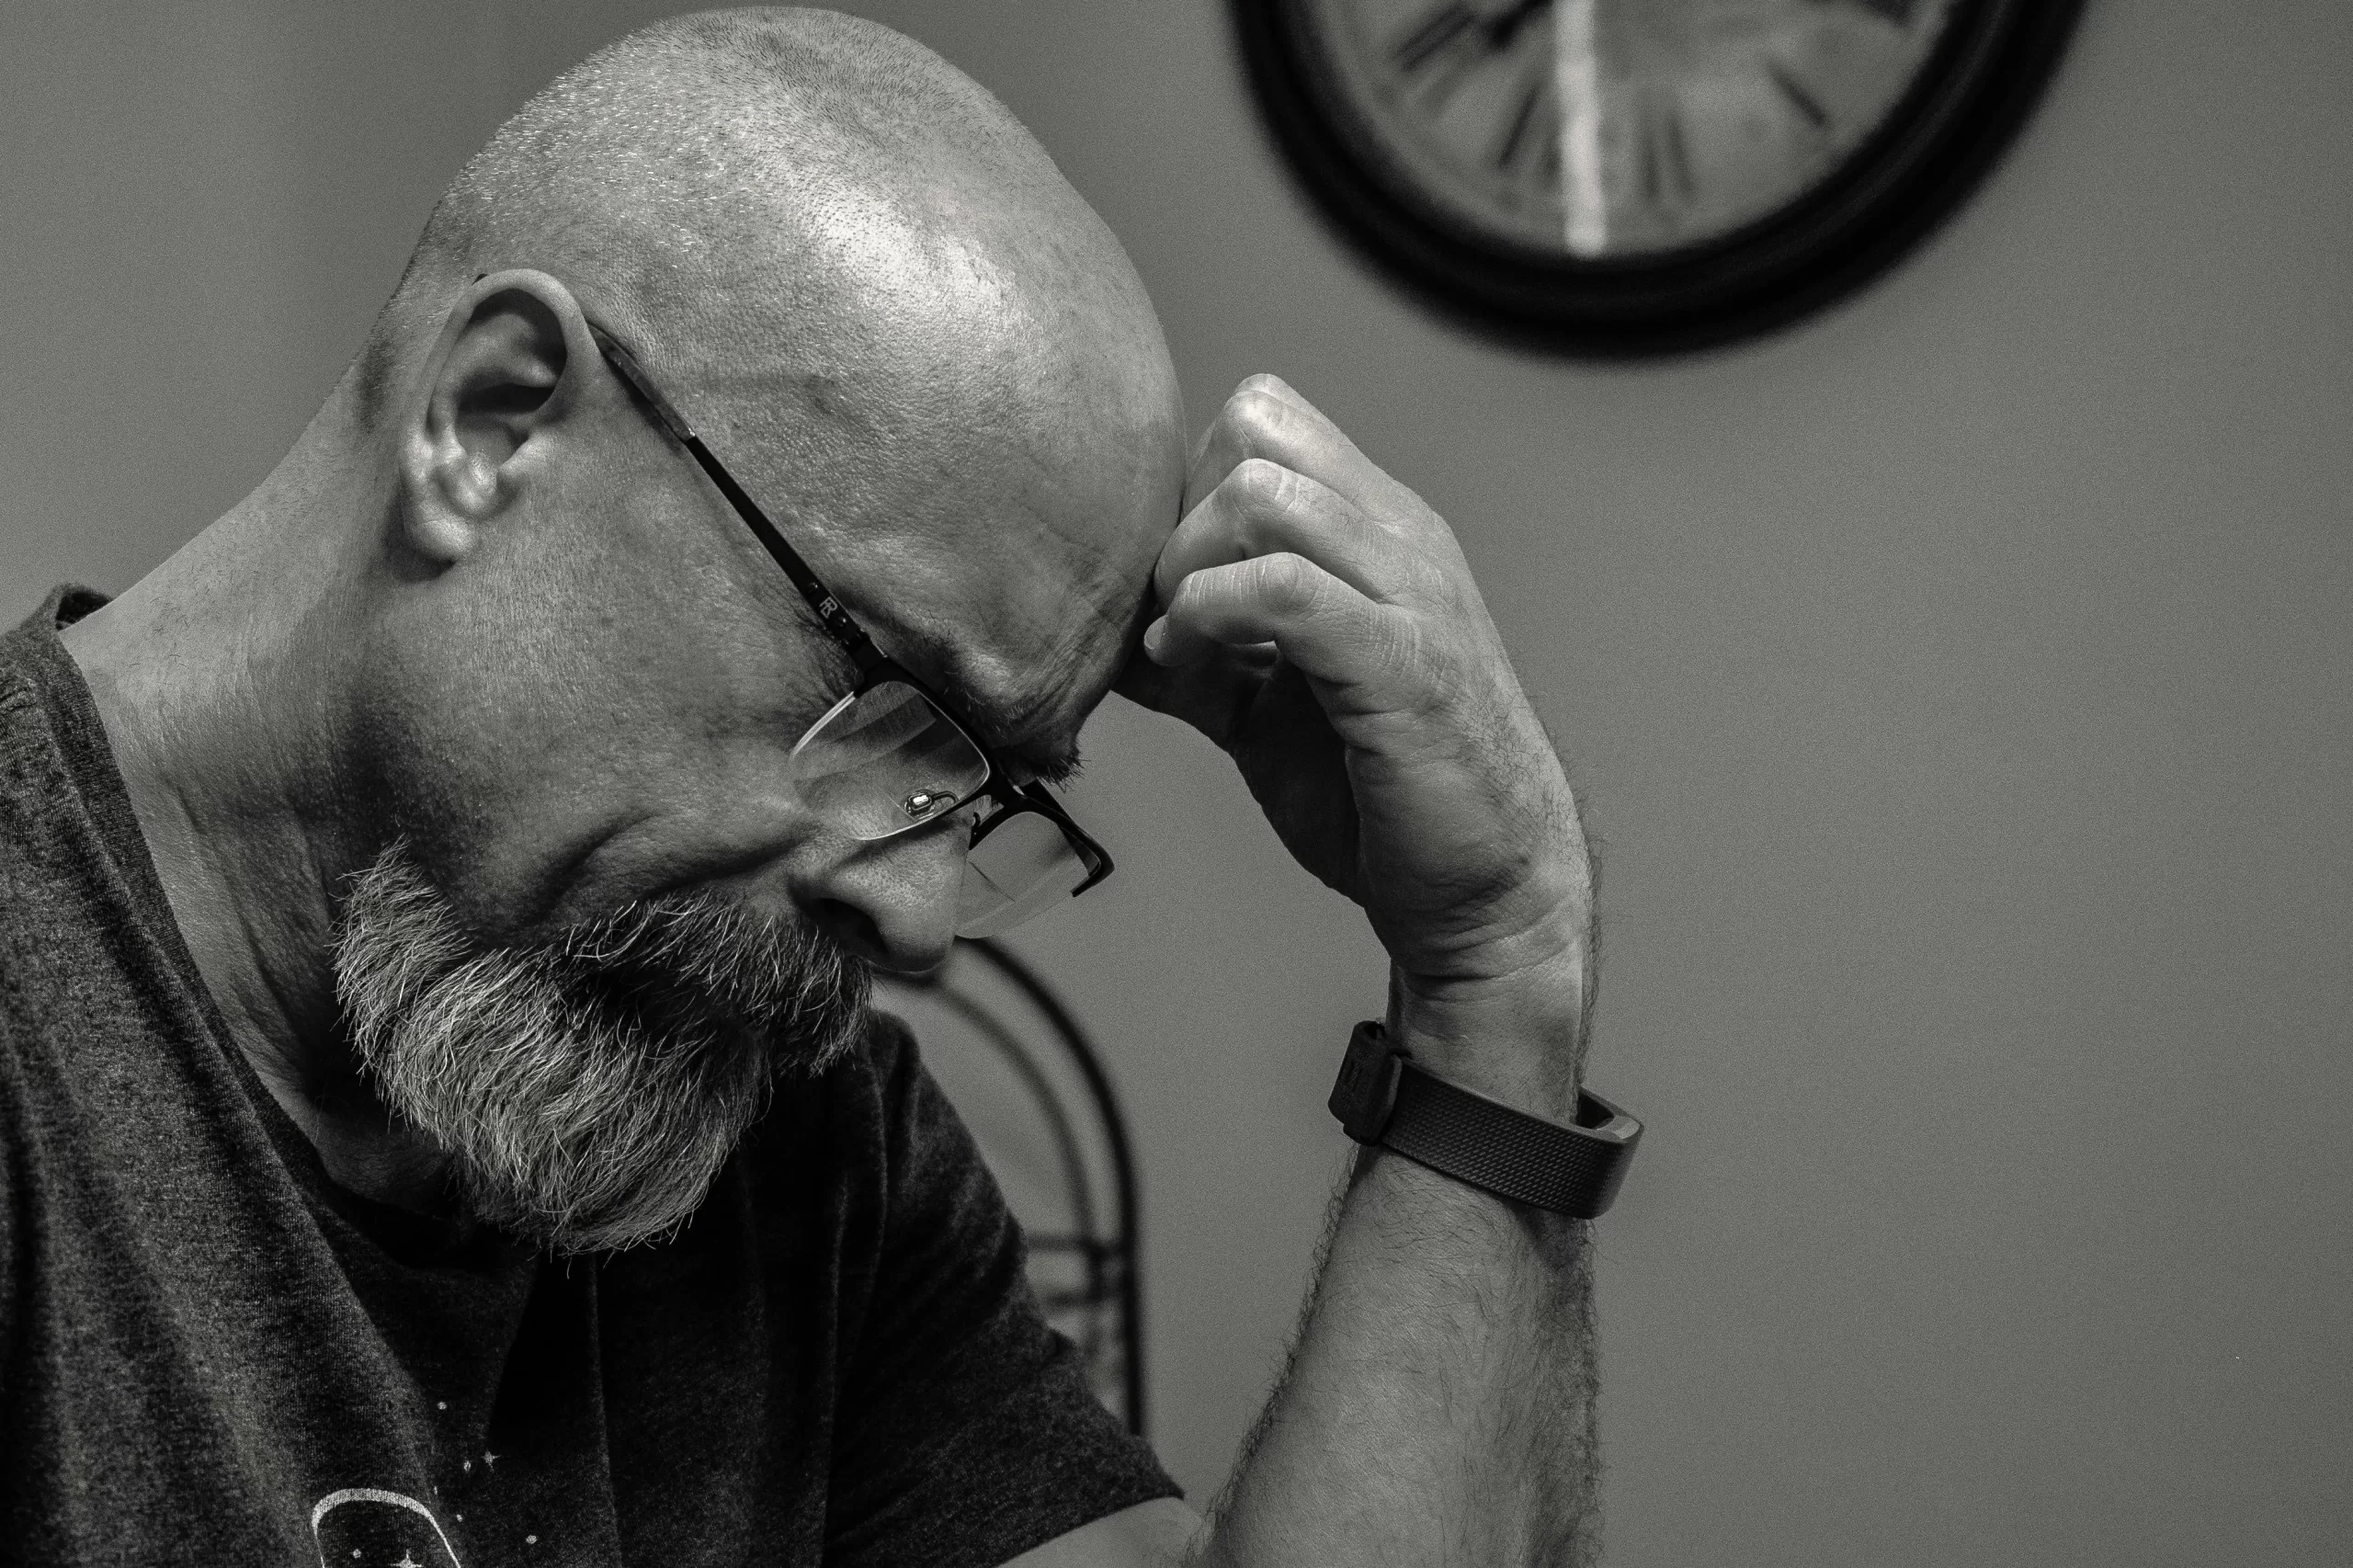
<point x="1973" y="94"/>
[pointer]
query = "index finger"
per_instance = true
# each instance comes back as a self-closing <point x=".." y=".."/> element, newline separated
<point x="1266" y="418"/>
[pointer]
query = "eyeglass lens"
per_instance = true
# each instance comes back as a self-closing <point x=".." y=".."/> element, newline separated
<point x="1023" y="865"/>
<point x="886" y="760"/>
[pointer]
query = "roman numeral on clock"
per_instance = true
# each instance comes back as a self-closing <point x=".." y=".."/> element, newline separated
<point x="1426" y="44"/>
<point x="1795" y="91"/>
<point x="1520" y="135"/>
<point x="1666" y="158"/>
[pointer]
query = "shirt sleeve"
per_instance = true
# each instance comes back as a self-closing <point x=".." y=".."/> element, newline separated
<point x="13" y="1230"/>
<point x="966" y="1433"/>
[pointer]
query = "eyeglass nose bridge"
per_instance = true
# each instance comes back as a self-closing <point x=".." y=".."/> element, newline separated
<point x="887" y="763"/>
<point x="886" y="760"/>
<point x="930" y="811"/>
<point x="925" y="804"/>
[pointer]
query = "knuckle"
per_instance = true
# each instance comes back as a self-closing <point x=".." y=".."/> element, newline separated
<point x="1192" y="590"/>
<point x="1260" y="484"/>
<point x="1430" y="579"/>
<point x="1288" y="582"/>
<point x="1253" y="411"/>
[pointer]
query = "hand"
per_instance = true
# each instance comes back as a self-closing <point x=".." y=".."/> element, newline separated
<point x="1321" y="625"/>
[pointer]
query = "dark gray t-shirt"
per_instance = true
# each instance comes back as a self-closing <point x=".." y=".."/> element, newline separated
<point x="210" y="1353"/>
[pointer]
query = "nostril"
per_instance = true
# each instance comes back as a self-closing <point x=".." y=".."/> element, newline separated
<point x="853" y="928"/>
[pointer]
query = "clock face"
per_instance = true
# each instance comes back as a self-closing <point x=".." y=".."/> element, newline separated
<point x="1620" y="128"/>
<point x="1628" y="176"/>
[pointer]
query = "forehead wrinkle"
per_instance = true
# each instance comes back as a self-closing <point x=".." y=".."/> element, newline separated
<point x="1018" y="728"/>
<point x="1006" y="730"/>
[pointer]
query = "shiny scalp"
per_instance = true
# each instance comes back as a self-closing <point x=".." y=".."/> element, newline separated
<point x="862" y="277"/>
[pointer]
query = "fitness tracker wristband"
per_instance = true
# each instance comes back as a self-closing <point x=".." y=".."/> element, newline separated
<point x="1382" y="1098"/>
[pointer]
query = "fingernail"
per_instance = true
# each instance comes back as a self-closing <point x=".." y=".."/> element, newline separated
<point x="1155" y="637"/>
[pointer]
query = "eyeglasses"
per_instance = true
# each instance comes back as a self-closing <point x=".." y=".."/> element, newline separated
<point x="891" y="756"/>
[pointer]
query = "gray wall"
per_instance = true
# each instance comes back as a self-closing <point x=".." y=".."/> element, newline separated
<point x="1962" y="683"/>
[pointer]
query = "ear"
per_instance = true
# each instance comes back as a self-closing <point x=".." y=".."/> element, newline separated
<point x="507" y="367"/>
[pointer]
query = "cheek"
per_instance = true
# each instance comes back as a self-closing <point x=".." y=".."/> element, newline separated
<point x="516" y="740"/>
<point x="555" y="756"/>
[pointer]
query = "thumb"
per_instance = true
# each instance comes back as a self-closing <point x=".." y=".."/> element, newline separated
<point x="1210" y="693"/>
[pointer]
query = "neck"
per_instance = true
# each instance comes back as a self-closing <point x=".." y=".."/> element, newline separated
<point x="225" y="697"/>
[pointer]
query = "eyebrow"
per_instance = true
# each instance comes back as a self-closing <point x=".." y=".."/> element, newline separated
<point x="1045" y="762"/>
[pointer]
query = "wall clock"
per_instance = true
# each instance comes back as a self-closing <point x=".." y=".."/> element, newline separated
<point x="1629" y="176"/>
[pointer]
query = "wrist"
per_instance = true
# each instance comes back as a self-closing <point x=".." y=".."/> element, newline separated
<point x="1570" y="1165"/>
<point x="1517" y="1036"/>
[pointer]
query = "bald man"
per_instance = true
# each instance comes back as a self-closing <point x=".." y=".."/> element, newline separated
<point x="440" y="1120"/>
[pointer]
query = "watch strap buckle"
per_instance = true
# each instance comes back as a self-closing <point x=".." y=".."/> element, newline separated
<point x="1366" y="1091"/>
<point x="1384" y="1098"/>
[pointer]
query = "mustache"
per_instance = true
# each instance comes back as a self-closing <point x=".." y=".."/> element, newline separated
<point x="696" y="961"/>
<point x="590" y="1085"/>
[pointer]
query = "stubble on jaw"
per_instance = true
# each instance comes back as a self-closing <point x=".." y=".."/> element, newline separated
<point x="587" y="1087"/>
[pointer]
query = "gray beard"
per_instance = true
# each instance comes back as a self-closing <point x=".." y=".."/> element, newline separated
<point x="589" y="1087"/>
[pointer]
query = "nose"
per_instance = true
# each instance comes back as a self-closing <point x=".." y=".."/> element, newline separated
<point x="893" y="901"/>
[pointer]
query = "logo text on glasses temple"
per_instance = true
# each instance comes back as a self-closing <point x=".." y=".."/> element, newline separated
<point x="838" y="622"/>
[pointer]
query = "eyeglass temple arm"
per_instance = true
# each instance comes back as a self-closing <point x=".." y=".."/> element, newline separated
<point x="830" y="613"/>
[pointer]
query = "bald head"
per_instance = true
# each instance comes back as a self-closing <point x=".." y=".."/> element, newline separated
<point x="865" y="280"/>
<point x="795" y="203"/>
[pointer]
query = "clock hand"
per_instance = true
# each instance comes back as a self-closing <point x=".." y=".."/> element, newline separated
<point x="1584" y="206"/>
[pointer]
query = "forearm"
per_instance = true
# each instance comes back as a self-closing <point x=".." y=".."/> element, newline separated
<point x="1439" y="1406"/>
